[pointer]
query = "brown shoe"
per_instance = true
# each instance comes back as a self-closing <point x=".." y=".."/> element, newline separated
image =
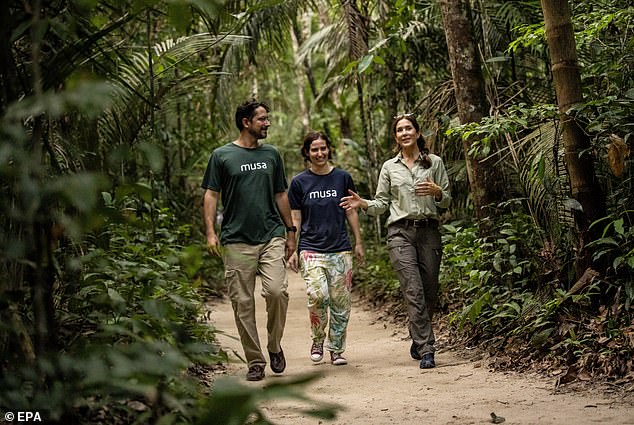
<point x="255" y="373"/>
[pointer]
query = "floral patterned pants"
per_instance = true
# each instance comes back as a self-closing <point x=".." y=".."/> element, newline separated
<point x="328" y="279"/>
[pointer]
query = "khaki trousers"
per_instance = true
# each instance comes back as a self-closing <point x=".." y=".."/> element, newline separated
<point x="415" y="253"/>
<point x="242" y="263"/>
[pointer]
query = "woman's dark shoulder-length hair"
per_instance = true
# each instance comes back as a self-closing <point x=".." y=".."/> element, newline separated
<point x="310" y="137"/>
<point x="420" y="141"/>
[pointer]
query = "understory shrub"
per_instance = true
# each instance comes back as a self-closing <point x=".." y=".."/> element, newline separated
<point x="502" y="296"/>
<point x="134" y="345"/>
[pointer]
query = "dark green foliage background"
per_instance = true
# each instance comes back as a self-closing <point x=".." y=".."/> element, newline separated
<point x="110" y="109"/>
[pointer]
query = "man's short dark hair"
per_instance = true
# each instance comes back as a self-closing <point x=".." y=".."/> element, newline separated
<point x="247" y="110"/>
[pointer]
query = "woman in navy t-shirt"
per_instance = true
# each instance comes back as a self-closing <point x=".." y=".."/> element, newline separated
<point x="324" y="250"/>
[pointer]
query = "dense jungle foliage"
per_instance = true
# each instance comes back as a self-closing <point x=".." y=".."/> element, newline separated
<point x="109" y="110"/>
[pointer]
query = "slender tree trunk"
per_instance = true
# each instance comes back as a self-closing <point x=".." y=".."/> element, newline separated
<point x="300" y="33"/>
<point x="471" y="100"/>
<point x="297" y="39"/>
<point x="152" y="122"/>
<point x="578" y="149"/>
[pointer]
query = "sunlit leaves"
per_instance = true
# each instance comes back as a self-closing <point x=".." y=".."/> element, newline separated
<point x="532" y="36"/>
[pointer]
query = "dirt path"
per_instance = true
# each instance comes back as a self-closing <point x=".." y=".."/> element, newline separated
<point x="382" y="385"/>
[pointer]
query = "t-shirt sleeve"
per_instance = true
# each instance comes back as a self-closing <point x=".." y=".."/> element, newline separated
<point x="212" y="179"/>
<point x="349" y="184"/>
<point x="295" y="195"/>
<point x="279" y="182"/>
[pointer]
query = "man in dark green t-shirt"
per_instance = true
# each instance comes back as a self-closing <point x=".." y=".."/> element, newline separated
<point x="250" y="178"/>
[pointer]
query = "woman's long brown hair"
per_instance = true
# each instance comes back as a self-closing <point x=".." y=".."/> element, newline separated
<point x="420" y="141"/>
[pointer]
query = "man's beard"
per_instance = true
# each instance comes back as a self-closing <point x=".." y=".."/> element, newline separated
<point x="259" y="134"/>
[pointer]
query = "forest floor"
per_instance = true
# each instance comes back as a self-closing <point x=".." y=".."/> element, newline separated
<point x="381" y="384"/>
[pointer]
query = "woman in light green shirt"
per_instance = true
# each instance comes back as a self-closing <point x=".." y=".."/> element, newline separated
<point x="412" y="185"/>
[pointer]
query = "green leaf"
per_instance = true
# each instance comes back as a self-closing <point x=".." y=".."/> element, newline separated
<point x="153" y="155"/>
<point x="497" y="265"/>
<point x="365" y="63"/>
<point x="617" y="262"/>
<point x="605" y="241"/>
<point x="107" y="198"/>
<point x="514" y="306"/>
<point x="498" y="59"/>
<point x="157" y="308"/>
<point x="618" y="226"/>
<point x="349" y="67"/>
<point x="161" y="264"/>
<point x="142" y="190"/>
<point x="115" y="296"/>
<point x="573" y="204"/>
<point x="379" y="60"/>
<point x="450" y="228"/>
<point x="80" y="190"/>
<point x="191" y="259"/>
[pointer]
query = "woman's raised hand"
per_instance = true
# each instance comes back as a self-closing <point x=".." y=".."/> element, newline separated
<point x="352" y="201"/>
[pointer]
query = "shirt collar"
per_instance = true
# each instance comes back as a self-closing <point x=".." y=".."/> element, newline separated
<point x="399" y="156"/>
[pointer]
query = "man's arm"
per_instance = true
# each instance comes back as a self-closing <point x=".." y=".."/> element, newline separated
<point x="210" y="206"/>
<point x="293" y="261"/>
<point x="281" y="200"/>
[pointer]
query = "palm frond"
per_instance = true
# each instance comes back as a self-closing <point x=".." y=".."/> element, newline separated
<point x="543" y="176"/>
<point x="357" y="29"/>
<point x="132" y="105"/>
<point x="71" y="56"/>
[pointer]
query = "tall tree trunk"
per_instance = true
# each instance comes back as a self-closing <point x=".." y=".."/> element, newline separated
<point x="578" y="149"/>
<point x="471" y="100"/>
<point x="297" y="39"/>
<point x="152" y="122"/>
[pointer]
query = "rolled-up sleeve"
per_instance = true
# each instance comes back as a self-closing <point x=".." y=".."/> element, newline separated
<point x="442" y="180"/>
<point x="381" y="201"/>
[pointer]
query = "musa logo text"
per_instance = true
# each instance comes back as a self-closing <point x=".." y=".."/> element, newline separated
<point x="332" y="193"/>
<point x="253" y="166"/>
